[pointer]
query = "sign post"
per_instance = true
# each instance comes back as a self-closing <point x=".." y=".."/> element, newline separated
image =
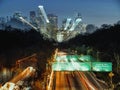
<point x="111" y="74"/>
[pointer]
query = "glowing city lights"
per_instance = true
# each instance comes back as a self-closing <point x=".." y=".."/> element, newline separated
<point x="43" y="13"/>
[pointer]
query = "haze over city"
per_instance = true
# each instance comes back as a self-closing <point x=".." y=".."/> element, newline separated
<point x="93" y="11"/>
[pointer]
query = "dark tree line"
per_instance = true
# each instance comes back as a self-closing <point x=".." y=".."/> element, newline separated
<point x="16" y="44"/>
<point x="103" y="39"/>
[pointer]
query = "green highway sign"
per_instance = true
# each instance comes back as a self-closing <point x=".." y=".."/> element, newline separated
<point x="67" y="58"/>
<point x="62" y="58"/>
<point x="71" y="66"/>
<point x="61" y="66"/>
<point x="102" y="66"/>
<point x="82" y="66"/>
<point x="86" y="58"/>
<point x="72" y="58"/>
<point x="73" y="63"/>
<point x="75" y="58"/>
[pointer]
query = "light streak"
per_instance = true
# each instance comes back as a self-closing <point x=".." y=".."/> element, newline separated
<point x="88" y="82"/>
<point x="75" y="24"/>
<point x="8" y="86"/>
<point x="50" y="80"/>
<point x="60" y="37"/>
<point x="67" y="23"/>
<point x="44" y="13"/>
<point x="23" y="20"/>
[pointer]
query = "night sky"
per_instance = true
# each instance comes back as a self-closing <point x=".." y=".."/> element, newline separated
<point x="93" y="11"/>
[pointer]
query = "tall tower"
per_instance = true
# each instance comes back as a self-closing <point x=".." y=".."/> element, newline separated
<point x="53" y="20"/>
<point x="67" y="23"/>
<point x="2" y="20"/>
<point x="78" y="15"/>
<point x="17" y="15"/>
<point x="43" y="14"/>
<point x="52" y="27"/>
<point x="32" y="17"/>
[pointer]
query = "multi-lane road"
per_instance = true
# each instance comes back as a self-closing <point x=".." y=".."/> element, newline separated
<point x="65" y="78"/>
<point x="76" y="80"/>
<point x="69" y="81"/>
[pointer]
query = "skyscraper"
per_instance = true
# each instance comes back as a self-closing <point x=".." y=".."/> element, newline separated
<point x="17" y="15"/>
<point x="32" y="17"/>
<point x="53" y="20"/>
<point x="2" y="23"/>
<point x="2" y="20"/>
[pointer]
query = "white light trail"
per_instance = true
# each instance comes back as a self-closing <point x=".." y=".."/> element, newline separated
<point x="50" y="80"/>
<point x="75" y="24"/>
<point x="44" y="13"/>
<point x="67" y="23"/>
<point x="88" y="82"/>
<point x="23" y="20"/>
<point x="8" y="86"/>
<point x="60" y="37"/>
<point x="29" y="71"/>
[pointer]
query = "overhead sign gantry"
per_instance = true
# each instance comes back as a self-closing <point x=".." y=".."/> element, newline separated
<point x="73" y="63"/>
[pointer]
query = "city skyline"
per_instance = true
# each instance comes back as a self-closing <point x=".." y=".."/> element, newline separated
<point x="92" y="11"/>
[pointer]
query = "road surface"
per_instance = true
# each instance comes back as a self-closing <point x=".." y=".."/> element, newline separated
<point x="65" y="80"/>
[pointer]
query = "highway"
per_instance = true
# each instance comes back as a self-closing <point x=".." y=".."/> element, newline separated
<point x="76" y="80"/>
<point x="68" y="74"/>
<point x="66" y="81"/>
